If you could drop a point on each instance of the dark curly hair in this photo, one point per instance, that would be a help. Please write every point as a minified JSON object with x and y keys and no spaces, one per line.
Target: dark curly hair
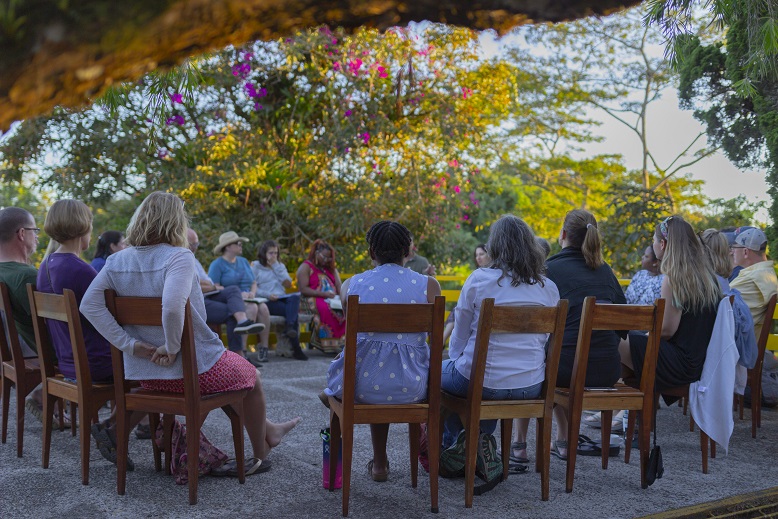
{"x":389,"y":242}
{"x":319,"y":245}
{"x":262,"y":251}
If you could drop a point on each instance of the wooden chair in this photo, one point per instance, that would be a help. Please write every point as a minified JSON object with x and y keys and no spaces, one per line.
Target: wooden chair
{"x":147,"y":311}
{"x":510,"y":319}
{"x":17,"y":371}
{"x":577,"y":398}
{"x":89,"y":397}
{"x":755,"y":373}
{"x":389,"y":318}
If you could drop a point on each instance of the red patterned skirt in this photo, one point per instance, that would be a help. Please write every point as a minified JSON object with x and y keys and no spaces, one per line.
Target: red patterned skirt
{"x":230,"y":373}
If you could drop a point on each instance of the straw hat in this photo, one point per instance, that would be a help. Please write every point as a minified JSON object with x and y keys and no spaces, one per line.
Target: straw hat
{"x":228,"y":238}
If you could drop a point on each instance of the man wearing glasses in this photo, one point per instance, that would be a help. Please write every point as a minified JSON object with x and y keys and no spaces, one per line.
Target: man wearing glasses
{"x":18,"y":240}
{"x":756,"y":281}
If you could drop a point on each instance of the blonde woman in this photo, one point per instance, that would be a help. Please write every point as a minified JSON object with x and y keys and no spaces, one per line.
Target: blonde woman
{"x":692,"y":294}
{"x":159,"y":264}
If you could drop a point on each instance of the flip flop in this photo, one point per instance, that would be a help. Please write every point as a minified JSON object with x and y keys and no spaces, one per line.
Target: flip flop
{"x":589,"y":447}
{"x":516,"y":446}
{"x":517,"y":468}
{"x":252,"y":465}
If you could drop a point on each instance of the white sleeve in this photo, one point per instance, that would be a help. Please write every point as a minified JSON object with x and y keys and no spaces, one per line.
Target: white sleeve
{"x":464,"y":313}
{"x":179,"y":277}
{"x":280,"y":271}
{"x":94,"y":309}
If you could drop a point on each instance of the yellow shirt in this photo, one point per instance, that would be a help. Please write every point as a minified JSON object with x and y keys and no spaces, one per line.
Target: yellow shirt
{"x":757,"y":284}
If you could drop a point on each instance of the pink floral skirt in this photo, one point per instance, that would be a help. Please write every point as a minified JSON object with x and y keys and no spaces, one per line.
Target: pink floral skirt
{"x":230,"y":373}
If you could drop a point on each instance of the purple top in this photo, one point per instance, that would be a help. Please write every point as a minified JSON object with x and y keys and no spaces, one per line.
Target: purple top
{"x":69,"y":271}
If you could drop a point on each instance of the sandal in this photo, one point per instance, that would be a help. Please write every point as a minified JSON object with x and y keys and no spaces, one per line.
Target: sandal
{"x":252,"y":466}
{"x":555,"y":446}
{"x":515,"y":458}
{"x":105,"y":438}
{"x":517,"y":468}
{"x":143,"y":431}
{"x":589,"y":447}
{"x":378,"y":476}
{"x":36,"y":410}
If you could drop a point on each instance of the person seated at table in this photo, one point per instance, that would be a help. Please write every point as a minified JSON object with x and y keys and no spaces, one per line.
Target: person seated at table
{"x":232,"y":269}
{"x":579,"y":271}
{"x":318,"y":278}
{"x":272,"y":280}
{"x":159,"y":264}
{"x":515,"y":364}
{"x":108,"y":243}
{"x":397,"y":364}
{"x":692,"y":294}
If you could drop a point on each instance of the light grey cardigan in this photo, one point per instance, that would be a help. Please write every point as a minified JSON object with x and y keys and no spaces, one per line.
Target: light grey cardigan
{"x":153,"y":271}
{"x":270,"y":279}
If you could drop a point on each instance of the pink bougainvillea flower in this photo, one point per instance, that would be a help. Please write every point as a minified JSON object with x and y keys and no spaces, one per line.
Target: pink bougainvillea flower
{"x":382,"y":72}
{"x":177,"y":119}
{"x":354,"y":66}
{"x":241,"y":70}
{"x":457,"y":226}
{"x":257,"y":107}
{"x":453,"y":163}
{"x":457,"y":189}
{"x":365,"y":137}
{"x":177,"y":98}
{"x":347,"y":113}
{"x":466,"y":92}
{"x":336,"y":66}
{"x":262,"y":92}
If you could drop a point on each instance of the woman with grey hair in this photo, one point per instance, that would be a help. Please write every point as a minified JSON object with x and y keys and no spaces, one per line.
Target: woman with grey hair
{"x":515,"y":366}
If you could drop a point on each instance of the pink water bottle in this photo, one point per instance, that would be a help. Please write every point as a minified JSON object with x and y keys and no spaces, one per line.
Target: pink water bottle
{"x":325,"y":466}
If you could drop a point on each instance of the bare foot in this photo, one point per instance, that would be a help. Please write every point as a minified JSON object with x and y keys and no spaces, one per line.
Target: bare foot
{"x":275,"y":432}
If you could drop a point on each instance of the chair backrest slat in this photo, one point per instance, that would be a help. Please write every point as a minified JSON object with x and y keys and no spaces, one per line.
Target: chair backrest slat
{"x":764,"y":334}
{"x":516,"y":319}
{"x":389,"y":318}
{"x":147,"y":311}
{"x":10,"y":349}
{"x":62,"y":308}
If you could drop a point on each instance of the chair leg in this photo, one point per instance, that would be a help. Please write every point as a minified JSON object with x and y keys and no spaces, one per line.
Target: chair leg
{"x":685,"y":405}
{"x":48,"y":419}
{"x":153,"y":426}
{"x":704,"y":449}
{"x":712,"y":449}
{"x":606,"y":419}
{"x":347,"y":435}
{"x":545,"y":467}
{"x":506,"y":426}
{"x":193,"y":454}
{"x":20,"y":398}
{"x":236,"y":419}
{"x":646,"y":424}
{"x":574,"y":425}
{"x":168,"y":422}
{"x":85,"y":437}
{"x":756,"y":404}
{"x":433,"y":433}
{"x":73,"y":412}
{"x":629,"y":435}
{"x":6,"y":405}
{"x":414,"y":435}
{"x":472,"y":430}
{"x":539,"y":445}
{"x":335,"y":442}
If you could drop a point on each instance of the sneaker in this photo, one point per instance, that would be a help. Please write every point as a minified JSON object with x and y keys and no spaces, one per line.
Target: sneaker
{"x":452,"y":459}
{"x":249,"y":327}
{"x":253,"y":358}
{"x":105,"y":438}
{"x":291,"y":333}
{"x":488,"y":465}
{"x":299,"y":354}
{"x":262,"y":355}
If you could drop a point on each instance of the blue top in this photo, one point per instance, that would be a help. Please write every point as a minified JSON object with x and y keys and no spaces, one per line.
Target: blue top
{"x":226,"y":274}
{"x":98,"y":264}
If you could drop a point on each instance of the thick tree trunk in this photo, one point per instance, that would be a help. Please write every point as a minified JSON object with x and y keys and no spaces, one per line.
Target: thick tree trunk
{"x":52,"y":55}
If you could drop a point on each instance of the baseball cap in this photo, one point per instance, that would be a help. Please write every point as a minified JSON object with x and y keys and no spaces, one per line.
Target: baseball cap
{"x":752,"y":238}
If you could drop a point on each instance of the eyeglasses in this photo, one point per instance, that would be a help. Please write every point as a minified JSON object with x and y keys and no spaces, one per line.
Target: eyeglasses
{"x":35,"y":230}
{"x":238,"y":243}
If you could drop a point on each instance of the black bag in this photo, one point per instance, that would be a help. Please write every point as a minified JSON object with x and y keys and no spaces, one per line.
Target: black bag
{"x":655,"y":469}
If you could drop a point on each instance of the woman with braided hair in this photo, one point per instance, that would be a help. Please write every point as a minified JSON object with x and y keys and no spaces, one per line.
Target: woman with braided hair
{"x":395,"y":366}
